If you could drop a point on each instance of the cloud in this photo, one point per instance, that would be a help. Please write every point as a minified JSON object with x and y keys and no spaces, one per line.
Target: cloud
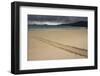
{"x":42,"y":23}
{"x":53,"y":20}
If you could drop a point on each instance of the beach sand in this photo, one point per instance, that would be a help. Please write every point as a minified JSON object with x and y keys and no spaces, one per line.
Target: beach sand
{"x":53,"y":44}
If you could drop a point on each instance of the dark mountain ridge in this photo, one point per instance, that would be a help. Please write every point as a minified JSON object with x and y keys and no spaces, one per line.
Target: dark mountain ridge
{"x":77,"y":24}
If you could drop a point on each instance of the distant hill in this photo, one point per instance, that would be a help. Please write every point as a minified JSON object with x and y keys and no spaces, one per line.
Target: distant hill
{"x":81,"y":24}
{"x":77,"y":24}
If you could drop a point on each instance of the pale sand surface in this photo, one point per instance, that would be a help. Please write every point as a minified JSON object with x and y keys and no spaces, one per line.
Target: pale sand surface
{"x":44,"y":44}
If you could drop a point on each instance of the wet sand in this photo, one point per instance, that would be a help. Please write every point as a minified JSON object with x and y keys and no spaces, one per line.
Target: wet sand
{"x":52,"y":44}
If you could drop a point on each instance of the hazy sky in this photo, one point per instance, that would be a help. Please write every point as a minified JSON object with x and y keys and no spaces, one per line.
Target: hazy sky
{"x":53,"y":20}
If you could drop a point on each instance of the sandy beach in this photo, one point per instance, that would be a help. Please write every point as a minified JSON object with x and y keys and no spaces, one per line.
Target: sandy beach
{"x":52,"y":44}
